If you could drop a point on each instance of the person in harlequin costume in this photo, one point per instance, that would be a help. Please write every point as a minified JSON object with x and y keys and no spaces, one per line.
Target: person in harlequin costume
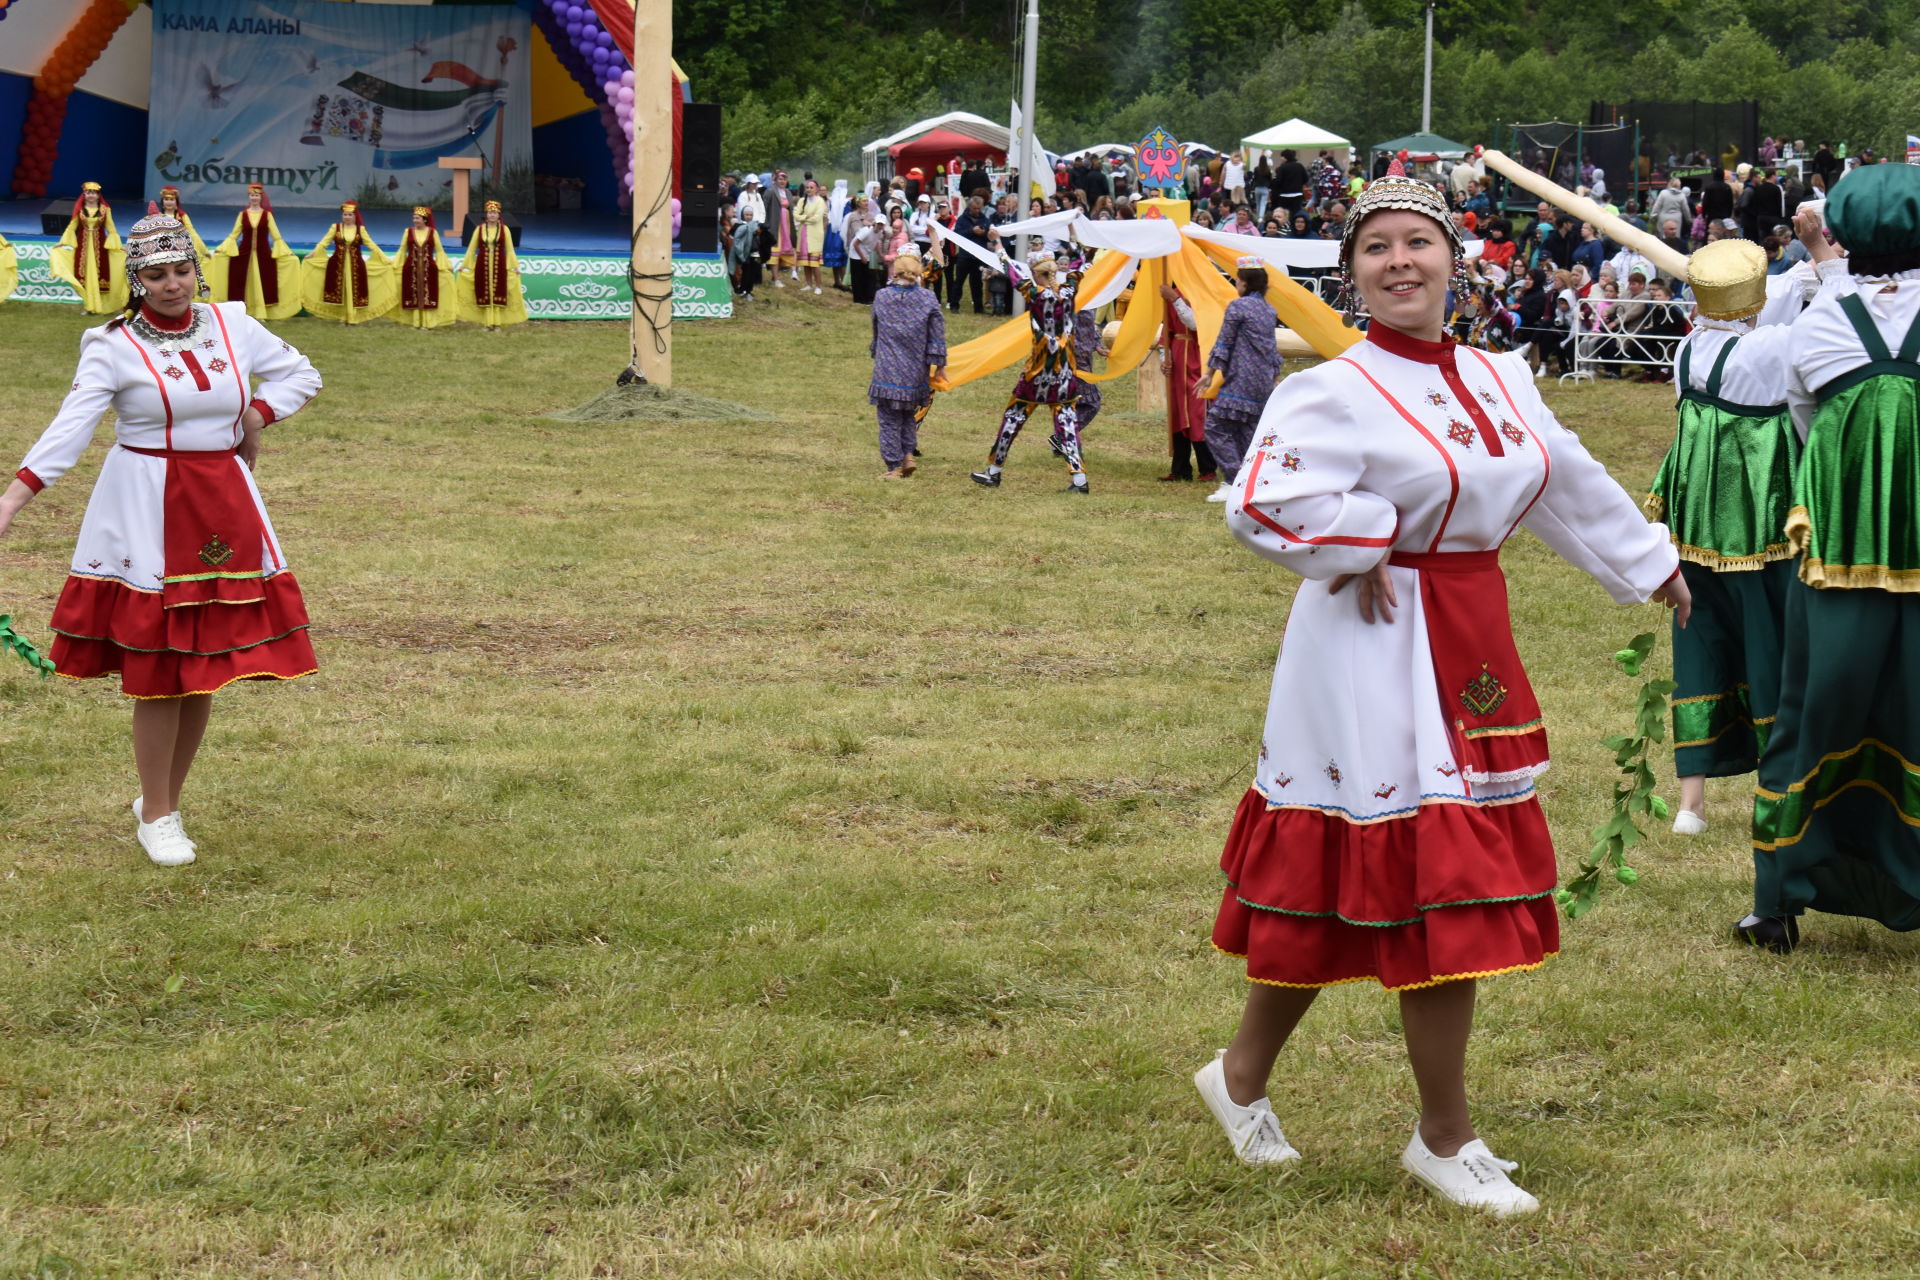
{"x":89,"y":256}
{"x":909,"y":348}
{"x":9,"y":270}
{"x":256,"y":266}
{"x":489,"y":276}
{"x":1723,"y":490}
{"x":169,"y":204}
{"x":1086,"y":345}
{"x":1186,"y":411}
{"x":426,"y":295}
{"x":1049,"y":380}
{"x":1245,"y":363}
{"x":177,"y":582}
{"x":346,"y":277}
{"x":1836,"y":822}
{"x":1392,"y":833}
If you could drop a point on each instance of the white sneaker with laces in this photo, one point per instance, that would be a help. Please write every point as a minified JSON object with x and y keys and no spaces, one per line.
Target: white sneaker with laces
{"x":1474,"y":1177}
{"x":1253,"y":1130}
{"x":139,"y":814}
{"x":164,"y":842}
{"x":1688,"y":823}
{"x":1221,"y":494}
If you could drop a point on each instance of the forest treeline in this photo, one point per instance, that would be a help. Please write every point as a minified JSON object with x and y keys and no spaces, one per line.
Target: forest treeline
{"x":806,"y":84}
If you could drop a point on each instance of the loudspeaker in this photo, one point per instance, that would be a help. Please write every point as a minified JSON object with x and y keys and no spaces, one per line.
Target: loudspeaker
{"x":55,"y":217}
{"x":699,"y":172}
{"x":475,"y":218}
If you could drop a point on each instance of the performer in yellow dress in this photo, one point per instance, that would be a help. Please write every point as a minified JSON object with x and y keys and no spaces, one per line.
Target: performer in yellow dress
{"x":490,"y":290}
{"x":9,"y":270}
{"x":426,"y":299}
{"x":169,"y":205}
{"x":260,"y":268}
{"x":89,"y":256}
{"x":347,"y":277}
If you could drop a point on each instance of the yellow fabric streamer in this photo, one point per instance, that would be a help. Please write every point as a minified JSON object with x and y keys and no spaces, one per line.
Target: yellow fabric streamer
{"x":1298,"y":308}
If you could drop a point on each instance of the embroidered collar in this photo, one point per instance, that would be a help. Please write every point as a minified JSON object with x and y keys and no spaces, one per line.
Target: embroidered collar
{"x":162,"y":323}
{"x":146,"y":326}
{"x":1407,"y":347}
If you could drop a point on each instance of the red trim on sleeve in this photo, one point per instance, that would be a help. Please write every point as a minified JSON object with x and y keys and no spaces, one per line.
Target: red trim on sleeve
{"x":1260,"y":517}
{"x":265,"y":410}
{"x":36,"y":484}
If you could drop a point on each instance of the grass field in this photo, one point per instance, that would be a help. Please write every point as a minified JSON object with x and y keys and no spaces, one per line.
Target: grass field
{"x":699,"y":858}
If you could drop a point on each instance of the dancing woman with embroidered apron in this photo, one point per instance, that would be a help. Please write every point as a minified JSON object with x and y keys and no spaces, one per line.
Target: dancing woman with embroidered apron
{"x":177,"y":581}
{"x":1392,"y":833}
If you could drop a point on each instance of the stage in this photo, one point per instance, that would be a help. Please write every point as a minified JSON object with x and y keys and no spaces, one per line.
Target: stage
{"x":573,"y":265}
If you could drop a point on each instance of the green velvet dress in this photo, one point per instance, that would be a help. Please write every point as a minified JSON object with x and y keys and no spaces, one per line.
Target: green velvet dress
{"x":1724,"y":489}
{"x":1836,"y":821}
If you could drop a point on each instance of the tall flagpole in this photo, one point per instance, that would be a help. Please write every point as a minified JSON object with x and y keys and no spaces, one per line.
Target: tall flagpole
{"x":1426,"y":93}
{"x":1029,"y":153}
{"x":651,"y":269}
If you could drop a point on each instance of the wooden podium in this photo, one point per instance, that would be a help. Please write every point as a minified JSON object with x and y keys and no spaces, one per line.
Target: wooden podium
{"x":461,"y":166}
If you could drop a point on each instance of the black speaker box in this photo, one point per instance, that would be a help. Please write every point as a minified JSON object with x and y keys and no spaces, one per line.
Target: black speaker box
{"x":477,"y":216}
{"x":55,"y":217}
{"x":699,"y":151}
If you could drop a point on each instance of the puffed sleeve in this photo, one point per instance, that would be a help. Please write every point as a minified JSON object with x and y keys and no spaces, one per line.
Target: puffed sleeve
{"x":936,"y":333}
{"x":1298,"y":499}
{"x":1584,"y":514}
{"x":71,"y":430}
{"x":1230,"y":325}
{"x":286,"y":380}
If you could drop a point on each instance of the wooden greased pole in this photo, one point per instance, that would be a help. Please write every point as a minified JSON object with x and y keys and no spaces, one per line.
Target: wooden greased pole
{"x":651,"y":269}
{"x":1616,"y":229}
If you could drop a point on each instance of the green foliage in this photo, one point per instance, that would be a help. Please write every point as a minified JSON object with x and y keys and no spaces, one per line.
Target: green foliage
{"x":1620,"y":832}
{"x":806,"y":87}
{"x":23,"y":648}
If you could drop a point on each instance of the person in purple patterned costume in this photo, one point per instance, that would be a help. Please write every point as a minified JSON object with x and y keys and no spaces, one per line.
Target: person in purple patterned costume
{"x":1245,"y":357}
{"x":1086,"y":344}
{"x":909,"y":338}
{"x":1049,"y":379}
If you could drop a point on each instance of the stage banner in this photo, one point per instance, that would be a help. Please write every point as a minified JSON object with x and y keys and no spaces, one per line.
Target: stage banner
{"x":322,"y":102}
{"x":37,"y":281}
{"x":594,"y":287}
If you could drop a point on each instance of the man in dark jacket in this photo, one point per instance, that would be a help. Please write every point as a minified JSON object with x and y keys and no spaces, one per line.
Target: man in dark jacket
{"x":973,"y":225}
{"x":1716,"y":197}
{"x":1290,"y":184}
{"x":974,"y":181}
{"x":1766,"y":205}
{"x":1827,"y":165}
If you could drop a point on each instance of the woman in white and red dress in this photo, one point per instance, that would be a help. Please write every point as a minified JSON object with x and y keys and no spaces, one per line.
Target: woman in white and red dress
{"x":1393,"y":833}
{"x":177,"y":581}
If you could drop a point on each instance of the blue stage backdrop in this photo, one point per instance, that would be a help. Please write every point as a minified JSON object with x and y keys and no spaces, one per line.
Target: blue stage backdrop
{"x":323,"y":102}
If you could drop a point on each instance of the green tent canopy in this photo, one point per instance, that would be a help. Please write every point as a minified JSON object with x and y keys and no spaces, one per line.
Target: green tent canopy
{"x":1423,"y":146}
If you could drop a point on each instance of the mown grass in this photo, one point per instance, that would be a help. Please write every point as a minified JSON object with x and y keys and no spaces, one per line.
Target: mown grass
{"x":699,"y":858}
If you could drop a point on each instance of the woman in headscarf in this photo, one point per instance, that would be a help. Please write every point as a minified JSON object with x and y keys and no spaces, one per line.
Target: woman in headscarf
{"x":347,"y":277}
{"x":427,"y":297}
{"x":89,"y":256}
{"x":489,"y":277}
{"x":260,"y":269}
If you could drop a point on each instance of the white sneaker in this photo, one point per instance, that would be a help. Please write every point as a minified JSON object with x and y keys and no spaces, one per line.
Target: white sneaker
{"x":165,"y":843}
{"x":1475,"y":1177}
{"x":778,"y":283}
{"x":816,"y":289}
{"x":1221,"y":494}
{"x":139,"y":814}
{"x":1688,"y":823}
{"x":1253,"y":1130}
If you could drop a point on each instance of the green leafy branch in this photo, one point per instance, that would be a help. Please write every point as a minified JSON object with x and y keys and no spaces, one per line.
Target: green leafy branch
{"x":1632,"y":795}
{"x":22,"y":647}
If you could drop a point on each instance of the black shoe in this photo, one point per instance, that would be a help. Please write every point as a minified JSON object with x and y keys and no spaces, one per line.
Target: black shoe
{"x":1778,"y":934}
{"x":986,"y":478}
{"x":1080,"y":489}
{"x":916,"y":453}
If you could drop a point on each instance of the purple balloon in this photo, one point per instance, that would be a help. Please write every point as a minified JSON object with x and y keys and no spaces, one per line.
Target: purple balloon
{"x":575,"y":12}
{"x":605,"y":38}
{"x":626,"y":77}
{"x":626,"y":96}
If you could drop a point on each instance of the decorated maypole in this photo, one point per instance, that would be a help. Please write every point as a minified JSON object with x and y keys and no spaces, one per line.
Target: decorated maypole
{"x":651,"y":268}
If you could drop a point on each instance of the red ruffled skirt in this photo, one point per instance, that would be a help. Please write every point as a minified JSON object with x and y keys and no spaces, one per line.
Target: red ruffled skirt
{"x":1453,"y":891}
{"x":223,"y":607}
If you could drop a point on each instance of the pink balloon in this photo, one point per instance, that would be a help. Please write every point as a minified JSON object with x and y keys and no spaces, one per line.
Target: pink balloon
{"x":626,"y":78}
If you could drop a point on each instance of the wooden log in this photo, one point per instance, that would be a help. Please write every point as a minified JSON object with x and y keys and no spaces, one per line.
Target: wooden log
{"x":651,"y":268}
{"x":1614,"y":228}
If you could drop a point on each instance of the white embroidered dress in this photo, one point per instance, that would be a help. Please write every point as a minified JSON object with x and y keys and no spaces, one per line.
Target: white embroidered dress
{"x":1378,"y":839}
{"x":125,"y":608}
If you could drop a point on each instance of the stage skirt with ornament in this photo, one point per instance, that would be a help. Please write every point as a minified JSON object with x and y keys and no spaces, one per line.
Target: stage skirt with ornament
{"x":1412,"y":854}
{"x":178,"y":582}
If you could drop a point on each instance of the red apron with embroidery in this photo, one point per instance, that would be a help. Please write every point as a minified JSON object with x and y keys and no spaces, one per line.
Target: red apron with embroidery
{"x":1491,"y":713}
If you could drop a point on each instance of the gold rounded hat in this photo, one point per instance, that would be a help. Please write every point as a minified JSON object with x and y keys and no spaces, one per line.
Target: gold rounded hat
{"x":1729,"y":279}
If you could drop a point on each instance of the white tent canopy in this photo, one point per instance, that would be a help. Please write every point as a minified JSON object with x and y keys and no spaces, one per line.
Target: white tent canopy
{"x":1098,"y":149}
{"x":1299,"y":135}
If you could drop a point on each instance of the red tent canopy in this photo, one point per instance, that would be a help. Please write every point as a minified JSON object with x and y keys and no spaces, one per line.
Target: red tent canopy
{"x":930,"y":151}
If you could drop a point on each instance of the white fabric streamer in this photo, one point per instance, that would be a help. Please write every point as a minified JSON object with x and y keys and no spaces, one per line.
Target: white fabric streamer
{"x":1287,"y":255}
